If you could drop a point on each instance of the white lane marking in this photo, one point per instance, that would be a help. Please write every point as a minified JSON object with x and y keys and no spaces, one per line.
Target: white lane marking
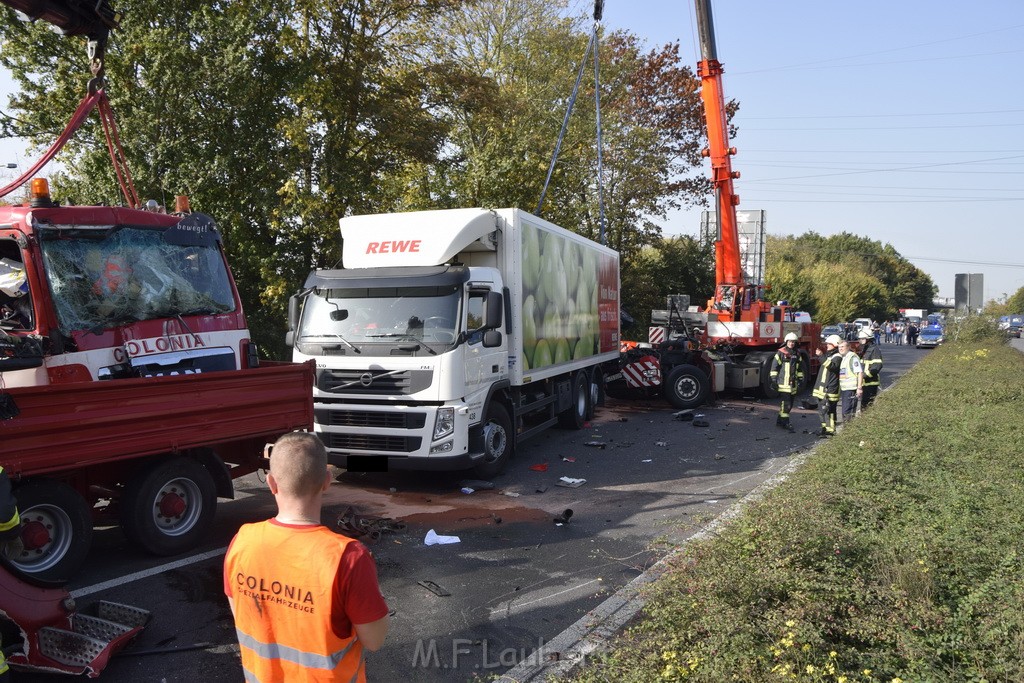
{"x":519,"y":605}
{"x":146,"y":573}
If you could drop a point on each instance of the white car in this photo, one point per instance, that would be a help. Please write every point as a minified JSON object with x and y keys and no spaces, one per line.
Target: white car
{"x":863,"y":323}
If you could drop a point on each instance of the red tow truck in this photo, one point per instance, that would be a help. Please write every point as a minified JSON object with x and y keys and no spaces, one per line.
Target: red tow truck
{"x":130,"y":390}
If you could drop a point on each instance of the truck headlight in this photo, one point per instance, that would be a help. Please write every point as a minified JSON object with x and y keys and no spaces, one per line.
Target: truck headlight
{"x":444,"y":423}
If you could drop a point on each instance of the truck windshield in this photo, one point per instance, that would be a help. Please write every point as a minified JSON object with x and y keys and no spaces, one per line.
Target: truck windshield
{"x":374,"y":320}
{"x":101,"y":278}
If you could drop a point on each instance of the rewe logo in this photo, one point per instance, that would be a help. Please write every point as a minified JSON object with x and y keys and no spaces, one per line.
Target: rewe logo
{"x":393,"y":247}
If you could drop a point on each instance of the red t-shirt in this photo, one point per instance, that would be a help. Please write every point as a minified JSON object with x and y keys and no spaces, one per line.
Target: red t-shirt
{"x":357,"y":596}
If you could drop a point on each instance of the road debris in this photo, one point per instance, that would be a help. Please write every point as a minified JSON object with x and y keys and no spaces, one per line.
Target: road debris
{"x":467,"y":490}
{"x":564,"y":517}
{"x":568,"y":458}
{"x":570,"y":482}
{"x":434,"y":588}
{"x":539,"y":467}
{"x":541,"y":488}
{"x":701,"y":423}
{"x":596,"y":444}
{"x":648,"y":460}
{"x":432,"y":538}
{"x":510,"y":494}
{"x":477,"y":484}
{"x":662,"y":444}
{"x":684,"y":415}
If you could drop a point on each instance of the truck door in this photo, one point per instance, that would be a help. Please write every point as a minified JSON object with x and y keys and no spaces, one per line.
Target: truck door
{"x":484,"y":366}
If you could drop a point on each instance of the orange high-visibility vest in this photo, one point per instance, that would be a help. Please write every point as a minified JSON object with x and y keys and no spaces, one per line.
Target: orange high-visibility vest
{"x":282,"y":589}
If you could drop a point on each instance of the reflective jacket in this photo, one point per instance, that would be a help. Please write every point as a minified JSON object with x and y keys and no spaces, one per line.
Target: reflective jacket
{"x":827,"y":386}
{"x":849,"y":372}
{"x":787,"y":370}
{"x":283,"y":605}
{"x":872,"y":361}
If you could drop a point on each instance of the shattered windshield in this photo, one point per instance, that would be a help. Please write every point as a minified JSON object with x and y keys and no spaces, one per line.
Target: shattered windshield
{"x":105,"y":277}
{"x":372,"y":319}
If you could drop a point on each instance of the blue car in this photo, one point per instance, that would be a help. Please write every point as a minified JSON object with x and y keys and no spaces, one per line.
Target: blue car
{"x":929,"y":337}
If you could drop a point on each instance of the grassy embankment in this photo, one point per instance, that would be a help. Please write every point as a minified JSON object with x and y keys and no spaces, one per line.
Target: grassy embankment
{"x":895,"y":553}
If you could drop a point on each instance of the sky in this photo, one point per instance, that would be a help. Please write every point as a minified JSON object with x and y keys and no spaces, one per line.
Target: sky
{"x":901,"y":121}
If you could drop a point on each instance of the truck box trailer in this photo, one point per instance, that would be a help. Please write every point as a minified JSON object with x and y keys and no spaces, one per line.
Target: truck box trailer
{"x":451,"y":335}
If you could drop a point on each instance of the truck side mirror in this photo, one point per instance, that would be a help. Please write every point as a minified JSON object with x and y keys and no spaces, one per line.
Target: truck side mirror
{"x":494,"y":310}
{"x":294,"y":306}
{"x":289,"y":338}
{"x":492,"y":339}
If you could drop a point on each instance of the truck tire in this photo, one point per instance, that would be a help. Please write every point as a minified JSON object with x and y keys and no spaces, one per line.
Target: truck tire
{"x":575,"y":415}
{"x":768,"y":388}
{"x":596,"y":392}
{"x":686,"y":386}
{"x":498,"y":442}
{"x":168,"y":507}
{"x":56,"y":530}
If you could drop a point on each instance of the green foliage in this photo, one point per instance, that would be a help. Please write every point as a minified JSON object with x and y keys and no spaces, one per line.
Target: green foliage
{"x":894,"y":553}
{"x":277,"y":118}
{"x":841,"y":277}
{"x":1015,"y":303}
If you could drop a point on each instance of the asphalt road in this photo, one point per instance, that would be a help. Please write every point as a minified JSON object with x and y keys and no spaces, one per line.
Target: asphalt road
{"x":515,"y":580}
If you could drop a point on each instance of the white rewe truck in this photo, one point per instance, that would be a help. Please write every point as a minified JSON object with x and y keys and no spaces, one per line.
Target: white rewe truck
{"x":450,"y":336}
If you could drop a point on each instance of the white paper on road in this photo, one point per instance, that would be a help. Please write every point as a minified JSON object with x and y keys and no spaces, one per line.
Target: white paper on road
{"x":433,"y":539}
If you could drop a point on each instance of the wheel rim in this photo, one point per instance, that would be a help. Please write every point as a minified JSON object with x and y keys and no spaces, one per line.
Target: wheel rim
{"x":686,"y":387}
{"x":177,"y":506}
{"x":46,"y":533}
{"x":581,"y":402}
{"x":494,"y":441}
{"x":595,"y":392}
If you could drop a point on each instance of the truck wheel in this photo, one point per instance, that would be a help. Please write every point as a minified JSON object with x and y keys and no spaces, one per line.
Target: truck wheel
{"x":686,"y":387}
{"x":596,"y":392}
{"x":56,"y":530}
{"x":498,"y":441}
{"x":575,"y":415}
{"x":768,"y":390}
{"x":168,"y":507}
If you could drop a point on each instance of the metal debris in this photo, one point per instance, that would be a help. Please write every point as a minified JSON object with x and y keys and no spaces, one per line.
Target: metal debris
{"x":434,"y":588}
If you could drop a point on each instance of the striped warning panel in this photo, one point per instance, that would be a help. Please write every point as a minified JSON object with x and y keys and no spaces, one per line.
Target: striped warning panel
{"x":656,"y":335}
{"x":644,"y":372}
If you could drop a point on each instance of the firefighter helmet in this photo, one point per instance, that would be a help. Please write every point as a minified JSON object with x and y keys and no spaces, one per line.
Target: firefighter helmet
{"x":792,"y":337}
{"x":864,"y":334}
{"x":833,"y":339}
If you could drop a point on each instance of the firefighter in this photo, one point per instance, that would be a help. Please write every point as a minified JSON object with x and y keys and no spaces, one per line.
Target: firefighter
{"x":787,"y":374}
{"x":10,"y":540}
{"x":826,"y":389}
{"x":871,"y":359}
{"x":851,"y":378}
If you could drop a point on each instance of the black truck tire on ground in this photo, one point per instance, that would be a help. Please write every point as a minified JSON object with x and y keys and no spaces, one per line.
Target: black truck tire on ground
{"x":687,"y":386}
{"x":168,"y":507}
{"x":596,"y":379}
{"x":58,"y":516}
{"x":576,"y":414}
{"x":498,"y":442}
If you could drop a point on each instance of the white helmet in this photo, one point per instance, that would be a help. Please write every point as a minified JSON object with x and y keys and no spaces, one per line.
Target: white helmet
{"x":833,"y":339}
{"x":792,"y":337}
{"x":864,"y":334}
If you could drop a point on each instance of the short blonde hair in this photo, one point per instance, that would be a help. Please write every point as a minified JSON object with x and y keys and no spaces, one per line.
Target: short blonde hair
{"x":298,"y":462}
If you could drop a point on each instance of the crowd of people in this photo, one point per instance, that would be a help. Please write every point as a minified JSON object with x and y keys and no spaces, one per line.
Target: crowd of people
{"x":845,"y":377}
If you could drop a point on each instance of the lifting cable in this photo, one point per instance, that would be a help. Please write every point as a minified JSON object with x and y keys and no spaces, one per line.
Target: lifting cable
{"x":592,"y":45}
{"x":96,"y":97}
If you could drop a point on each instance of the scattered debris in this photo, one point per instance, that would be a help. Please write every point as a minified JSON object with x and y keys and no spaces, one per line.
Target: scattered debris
{"x":570,"y":482}
{"x":467,"y":490}
{"x":684,"y":415}
{"x":434,"y":588}
{"x":719,"y":456}
{"x":496,"y":518}
{"x":596,"y":444}
{"x":477,"y":484}
{"x":393,"y":490}
{"x":541,"y":488}
{"x":648,"y":460}
{"x":762,"y":438}
{"x":564,"y":517}
{"x":432,"y":538}
{"x":510,"y":494}
{"x":663,"y":444}
{"x":539,"y":467}
{"x":809,"y":403}
{"x":622,"y":419}
{"x":364,"y":527}
{"x":568,"y":458}
{"x":701,"y":423}
{"x":860,"y":445}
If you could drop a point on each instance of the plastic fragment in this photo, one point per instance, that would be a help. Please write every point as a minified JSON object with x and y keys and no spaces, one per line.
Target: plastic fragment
{"x":510,"y":494}
{"x":596,"y":444}
{"x":433,"y":538}
{"x":570,"y":482}
{"x":568,"y":458}
{"x":477,"y":484}
{"x":467,"y":490}
{"x":661,"y":443}
{"x":539,"y":467}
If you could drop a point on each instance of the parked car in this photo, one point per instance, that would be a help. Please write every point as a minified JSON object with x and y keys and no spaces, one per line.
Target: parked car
{"x":833,"y":329}
{"x":929,"y":337}
{"x":862,"y":322}
{"x":1014,"y":325}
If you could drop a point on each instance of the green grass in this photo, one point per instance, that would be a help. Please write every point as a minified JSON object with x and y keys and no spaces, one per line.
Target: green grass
{"x":893,"y":554}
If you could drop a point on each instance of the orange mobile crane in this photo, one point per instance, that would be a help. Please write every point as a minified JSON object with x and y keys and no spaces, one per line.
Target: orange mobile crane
{"x":731,"y":343}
